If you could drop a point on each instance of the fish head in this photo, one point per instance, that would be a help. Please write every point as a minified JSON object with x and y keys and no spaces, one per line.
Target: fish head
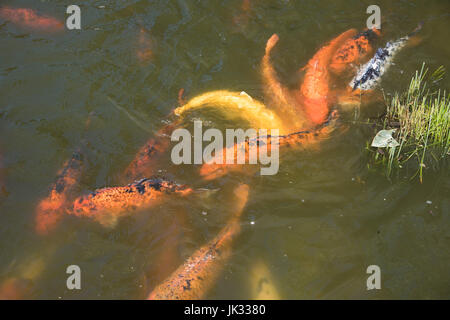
{"x":353,"y":51}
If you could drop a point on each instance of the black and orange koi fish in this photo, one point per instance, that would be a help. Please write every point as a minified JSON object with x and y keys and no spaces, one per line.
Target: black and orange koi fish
{"x":217,"y":166}
{"x":107,"y":205}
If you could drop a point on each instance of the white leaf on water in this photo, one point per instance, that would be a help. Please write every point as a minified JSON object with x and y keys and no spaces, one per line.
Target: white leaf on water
{"x":384,"y":139}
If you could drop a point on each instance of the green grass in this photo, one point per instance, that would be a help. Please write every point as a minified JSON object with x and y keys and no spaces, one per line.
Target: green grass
{"x":421,"y":116}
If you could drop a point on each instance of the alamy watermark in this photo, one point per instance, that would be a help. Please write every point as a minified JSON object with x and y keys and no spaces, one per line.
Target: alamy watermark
{"x":374,"y":20}
{"x":73,"y":22}
{"x":240,"y":145}
{"x":374,"y":280}
{"x":74,"y":280}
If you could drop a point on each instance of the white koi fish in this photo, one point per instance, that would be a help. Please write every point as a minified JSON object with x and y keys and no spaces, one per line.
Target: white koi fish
{"x":369,"y":74}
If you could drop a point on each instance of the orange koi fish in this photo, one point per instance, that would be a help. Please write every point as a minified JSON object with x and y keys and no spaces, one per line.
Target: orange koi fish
{"x":107,"y":205}
{"x":30,"y":19}
{"x":26,"y":272}
{"x":315,"y":86}
{"x":233,"y":105}
{"x":194,"y":278}
{"x":50,"y":210}
{"x":217,"y":166}
{"x":354,"y":50}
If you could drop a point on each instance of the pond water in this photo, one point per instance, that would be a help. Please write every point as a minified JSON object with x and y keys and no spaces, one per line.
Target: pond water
{"x":316,"y":225}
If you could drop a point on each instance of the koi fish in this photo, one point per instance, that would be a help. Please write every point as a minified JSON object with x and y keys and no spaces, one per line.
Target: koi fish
{"x":169,"y":258}
{"x":50,"y":210}
{"x":315,"y":86}
{"x":26,"y":272}
{"x":369,"y":75}
{"x":217,"y":166}
{"x":194,"y":278}
{"x":262,"y":282}
{"x":354,"y":50}
{"x":233,"y":105}
{"x":143,"y":163}
{"x":312,"y":99}
{"x":144,"y":52}
{"x":107,"y":205}
{"x":29,"y":18}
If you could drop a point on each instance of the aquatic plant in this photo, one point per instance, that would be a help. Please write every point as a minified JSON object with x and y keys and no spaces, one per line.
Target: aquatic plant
{"x":421,"y":119}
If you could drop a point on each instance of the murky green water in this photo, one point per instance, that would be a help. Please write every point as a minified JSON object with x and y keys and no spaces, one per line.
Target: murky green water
{"x":318,"y":224}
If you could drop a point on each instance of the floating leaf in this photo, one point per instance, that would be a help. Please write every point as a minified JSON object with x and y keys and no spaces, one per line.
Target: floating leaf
{"x":384,"y":139}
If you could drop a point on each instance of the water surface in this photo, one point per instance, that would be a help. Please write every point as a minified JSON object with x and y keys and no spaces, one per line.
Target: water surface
{"x":318,"y":223}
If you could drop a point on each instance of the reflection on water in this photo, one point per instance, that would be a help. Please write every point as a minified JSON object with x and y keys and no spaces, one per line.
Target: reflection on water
{"x":317,"y":224}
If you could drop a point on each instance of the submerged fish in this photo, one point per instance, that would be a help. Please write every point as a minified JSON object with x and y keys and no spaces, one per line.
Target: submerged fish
{"x":143,"y":164}
{"x":354,"y":50}
{"x":14,"y":289}
{"x":262,"y":282}
{"x":233,"y":105}
{"x":369,"y":74}
{"x":29,"y":18}
{"x":107,"y":205}
{"x":218,"y":166}
{"x":50,"y":209}
{"x":194,"y":278}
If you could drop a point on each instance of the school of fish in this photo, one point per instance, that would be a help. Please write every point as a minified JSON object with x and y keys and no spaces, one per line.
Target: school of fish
{"x":304,"y":117}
